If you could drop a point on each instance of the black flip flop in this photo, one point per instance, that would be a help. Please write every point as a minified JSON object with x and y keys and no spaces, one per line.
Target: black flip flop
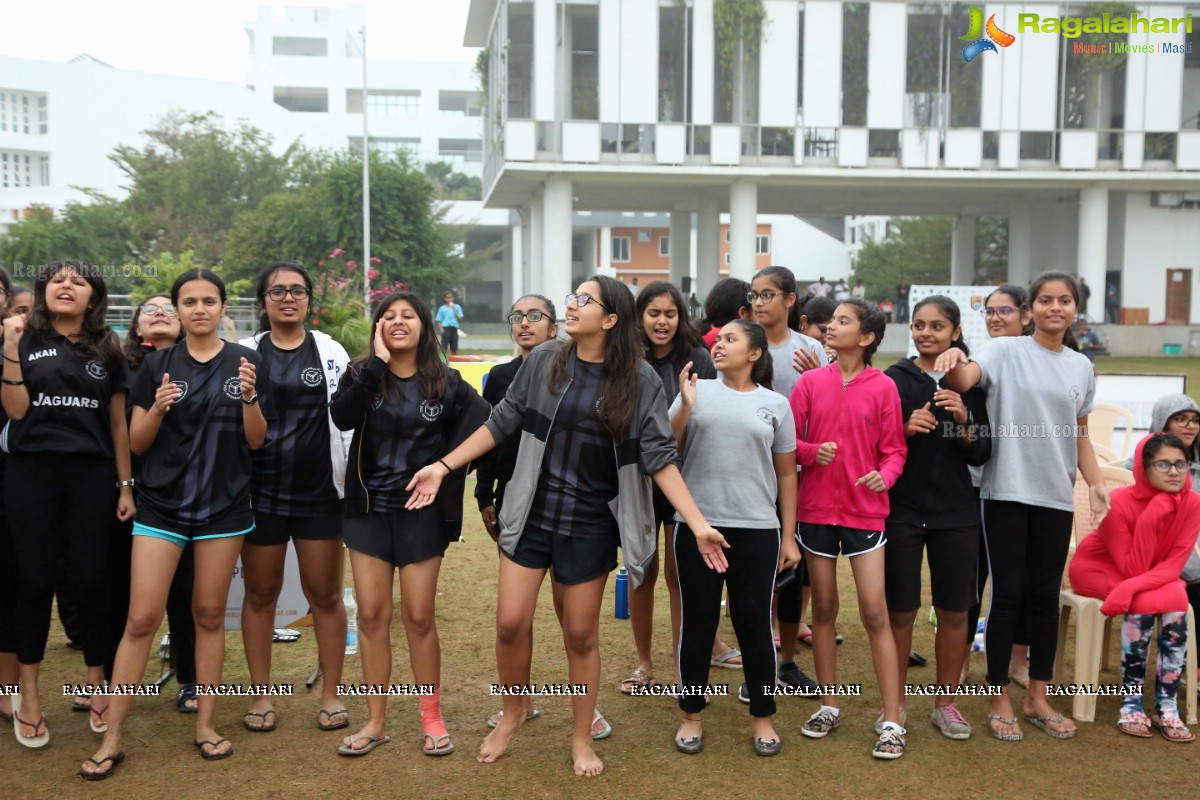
{"x":99,"y":776}
{"x":213,"y":756}
{"x":265,"y":727}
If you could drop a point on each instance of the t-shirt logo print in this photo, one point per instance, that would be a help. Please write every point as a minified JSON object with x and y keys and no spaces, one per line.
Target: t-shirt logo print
{"x":377,"y":402}
{"x":233,"y":388}
{"x":430,"y":411}
{"x":311,"y":377}
{"x":767,"y":416}
{"x":183,"y":389}
{"x":96,"y":370}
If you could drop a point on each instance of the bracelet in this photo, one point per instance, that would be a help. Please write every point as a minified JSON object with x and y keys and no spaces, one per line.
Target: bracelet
{"x":7,"y":382}
{"x":123,"y":484}
{"x":447,"y":466}
{"x":13,"y":360}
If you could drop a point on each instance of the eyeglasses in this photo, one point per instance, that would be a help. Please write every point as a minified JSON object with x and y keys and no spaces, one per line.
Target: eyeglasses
{"x":1001,"y":311}
{"x":533,"y":316}
{"x":765,"y":296}
{"x":150,"y":309}
{"x":1167,"y":466}
{"x":1188,"y":421}
{"x":582,"y":299}
{"x":278,"y":293}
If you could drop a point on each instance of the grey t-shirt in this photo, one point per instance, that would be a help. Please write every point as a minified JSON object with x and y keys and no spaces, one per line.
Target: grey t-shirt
{"x":781,"y":360}
{"x":1034,"y":397}
{"x":727,"y":462}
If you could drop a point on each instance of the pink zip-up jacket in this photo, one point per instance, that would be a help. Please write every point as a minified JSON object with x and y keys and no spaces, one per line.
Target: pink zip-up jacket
{"x":865,"y":421}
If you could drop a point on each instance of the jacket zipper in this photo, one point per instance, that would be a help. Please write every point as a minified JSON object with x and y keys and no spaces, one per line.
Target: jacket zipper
{"x":362,"y":435}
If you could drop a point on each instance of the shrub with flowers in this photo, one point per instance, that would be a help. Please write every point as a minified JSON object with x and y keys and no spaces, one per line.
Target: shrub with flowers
{"x":337,"y":304}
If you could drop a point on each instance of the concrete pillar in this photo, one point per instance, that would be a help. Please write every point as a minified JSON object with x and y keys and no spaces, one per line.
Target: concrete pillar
{"x":708,"y":245}
{"x":606,"y":265}
{"x":556,"y":239}
{"x":681,"y":246}
{"x":1091,"y":261}
{"x":1020,"y":244}
{"x":743,"y":228}
{"x":516,"y":286}
{"x":534,"y":277}
{"x":962,"y":252}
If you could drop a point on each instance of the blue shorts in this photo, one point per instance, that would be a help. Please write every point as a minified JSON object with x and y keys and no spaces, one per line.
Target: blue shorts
{"x":181,"y":539}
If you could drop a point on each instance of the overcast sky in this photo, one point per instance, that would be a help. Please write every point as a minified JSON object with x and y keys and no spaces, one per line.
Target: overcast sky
{"x":208,"y":39}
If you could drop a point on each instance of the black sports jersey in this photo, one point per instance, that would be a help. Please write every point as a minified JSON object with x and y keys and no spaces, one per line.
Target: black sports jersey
{"x":579,"y":470}
{"x":702,"y":367}
{"x":196,"y":474}
{"x":293,"y":476}
{"x":494,"y":470}
{"x":69,"y":399}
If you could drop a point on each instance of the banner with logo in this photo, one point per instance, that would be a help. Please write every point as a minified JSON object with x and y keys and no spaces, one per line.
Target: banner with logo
{"x":970,"y":300}
{"x":291,"y":605}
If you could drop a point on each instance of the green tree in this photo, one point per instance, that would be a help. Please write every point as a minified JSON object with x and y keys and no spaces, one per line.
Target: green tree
{"x":451,"y":185}
{"x":916,"y":250}
{"x":97,"y":233}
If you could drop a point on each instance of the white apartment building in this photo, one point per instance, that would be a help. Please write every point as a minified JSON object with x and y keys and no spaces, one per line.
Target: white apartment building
{"x":842,"y":109}
{"x":60,"y":121}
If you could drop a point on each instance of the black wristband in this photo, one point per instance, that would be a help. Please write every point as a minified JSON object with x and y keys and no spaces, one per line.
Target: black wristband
{"x":13,"y":360}
{"x":7,"y":382}
{"x":447,"y":466}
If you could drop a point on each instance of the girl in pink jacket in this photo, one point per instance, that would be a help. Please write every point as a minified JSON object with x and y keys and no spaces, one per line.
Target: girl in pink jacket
{"x":850,"y":443}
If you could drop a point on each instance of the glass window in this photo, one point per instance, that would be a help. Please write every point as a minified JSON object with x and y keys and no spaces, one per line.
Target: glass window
{"x":674,"y":63}
{"x":620,"y":249}
{"x":664,"y":245}
{"x":302,"y":99}
{"x":856,"y":41}
{"x":583,"y":78}
{"x":461,"y":149}
{"x":297,"y":46}
{"x":459,"y":104}
{"x":762,"y":245}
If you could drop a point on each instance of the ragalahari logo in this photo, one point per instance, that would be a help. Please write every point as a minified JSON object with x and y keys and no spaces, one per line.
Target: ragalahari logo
{"x":977,"y":43}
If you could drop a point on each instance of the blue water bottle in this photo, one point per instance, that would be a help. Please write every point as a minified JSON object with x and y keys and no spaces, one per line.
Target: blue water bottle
{"x":622,"y":593}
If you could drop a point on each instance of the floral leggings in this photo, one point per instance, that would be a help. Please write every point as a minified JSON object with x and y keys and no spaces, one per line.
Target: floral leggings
{"x":1172,"y":646}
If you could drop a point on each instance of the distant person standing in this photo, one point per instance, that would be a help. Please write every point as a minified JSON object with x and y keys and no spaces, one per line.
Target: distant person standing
{"x":1112,"y":303}
{"x":634,"y":289}
{"x":447,"y":319}
{"x":840,"y":290}
{"x":859,"y":290}
{"x":820,"y":288}
{"x":1085,"y":293}
{"x":902,"y":301}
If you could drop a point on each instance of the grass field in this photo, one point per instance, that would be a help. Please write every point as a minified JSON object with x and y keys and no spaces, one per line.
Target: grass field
{"x":298,"y":761}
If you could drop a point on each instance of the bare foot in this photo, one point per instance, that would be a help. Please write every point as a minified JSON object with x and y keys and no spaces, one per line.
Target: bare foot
{"x":496,"y":743}
{"x":587,"y":763}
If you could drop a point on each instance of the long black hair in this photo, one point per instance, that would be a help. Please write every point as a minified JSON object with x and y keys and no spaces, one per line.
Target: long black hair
{"x":1017,"y":293}
{"x":97,"y":340}
{"x":686,"y":339}
{"x":264,"y":282}
{"x":948,"y":309}
{"x":1035,"y":288}
{"x":725,"y":301}
{"x":762,"y":371}
{"x":870,"y":320}
{"x":432,"y":374}
{"x":135,"y":350}
{"x":622,"y":350}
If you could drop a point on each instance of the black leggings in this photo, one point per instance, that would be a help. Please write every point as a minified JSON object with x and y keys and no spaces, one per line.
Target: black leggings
{"x":1026,"y":551}
{"x":179,"y":617}
{"x":753,"y":556}
{"x":60,"y":509}
{"x":1021,"y":636}
{"x":9,"y":593}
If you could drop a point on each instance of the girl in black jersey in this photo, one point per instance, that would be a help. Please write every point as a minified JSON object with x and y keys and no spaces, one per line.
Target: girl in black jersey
{"x":155,"y":326}
{"x":64,"y":393}
{"x":9,"y":670}
{"x":670,"y":343}
{"x":196,"y":417}
{"x":593,"y":428}
{"x":297,"y":491}
{"x":405,"y":406}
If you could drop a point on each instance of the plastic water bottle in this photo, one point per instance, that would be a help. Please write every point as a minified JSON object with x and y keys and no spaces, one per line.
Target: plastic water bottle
{"x":622,"y":593}
{"x":351,"y":622}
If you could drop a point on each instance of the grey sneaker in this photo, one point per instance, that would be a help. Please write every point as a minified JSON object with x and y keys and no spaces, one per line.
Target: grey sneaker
{"x":821,"y":723}
{"x":890,"y":744}
{"x":879,"y":720}
{"x":949,"y":720}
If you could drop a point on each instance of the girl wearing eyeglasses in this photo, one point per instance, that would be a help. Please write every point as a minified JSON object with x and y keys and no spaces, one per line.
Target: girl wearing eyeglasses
{"x":405,"y":407}
{"x":592,"y":420}
{"x":1041,"y":390}
{"x":155,"y":326}
{"x":1132,"y":562}
{"x":297,"y":491}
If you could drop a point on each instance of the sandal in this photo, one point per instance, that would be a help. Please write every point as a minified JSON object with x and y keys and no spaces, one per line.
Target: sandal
{"x":638,"y":679}
{"x":99,"y":776}
{"x":438,"y":750}
{"x":1172,"y":727}
{"x":605,"y":727}
{"x":96,"y":721}
{"x":266,"y":725}
{"x":1043,"y":724}
{"x":494,"y":719}
{"x":185,"y":695}
{"x":725,"y":658}
{"x":216,"y":754}
{"x":349,"y":749}
{"x":1004,"y":736}
{"x":1134,"y":723}
{"x":37,"y":739}
{"x":325,"y":720}
{"x":82,"y":702}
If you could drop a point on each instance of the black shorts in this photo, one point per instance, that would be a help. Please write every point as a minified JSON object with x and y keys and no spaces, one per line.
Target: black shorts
{"x":398,"y":537}
{"x":953,"y":559}
{"x":575,"y":559}
{"x":450,"y":338}
{"x":664,"y":514}
{"x":276,"y":529}
{"x":829,"y":540}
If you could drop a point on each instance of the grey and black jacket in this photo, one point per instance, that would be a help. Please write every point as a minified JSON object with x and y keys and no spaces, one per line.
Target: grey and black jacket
{"x":529,"y":408}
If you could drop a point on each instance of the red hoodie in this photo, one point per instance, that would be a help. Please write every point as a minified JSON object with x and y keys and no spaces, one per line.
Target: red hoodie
{"x":865,"y":421}
{"x":1133,"y":560}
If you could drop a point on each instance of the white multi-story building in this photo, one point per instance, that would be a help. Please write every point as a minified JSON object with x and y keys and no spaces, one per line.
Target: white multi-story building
{"x":1087,"y":143}
{"x":59,"y":122}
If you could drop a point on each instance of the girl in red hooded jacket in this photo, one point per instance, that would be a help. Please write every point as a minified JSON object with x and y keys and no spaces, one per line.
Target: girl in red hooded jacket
{"x":850,"y":442}
{"x":1132,"y":562}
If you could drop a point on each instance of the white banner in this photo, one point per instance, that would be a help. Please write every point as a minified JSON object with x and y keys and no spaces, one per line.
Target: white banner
{"x":291,"y":605}
{"x":970,"y":300}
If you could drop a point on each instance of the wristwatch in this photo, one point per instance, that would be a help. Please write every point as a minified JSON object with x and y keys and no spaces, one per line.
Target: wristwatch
{"x":253,"y":399}
{"x":123,"y":484}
